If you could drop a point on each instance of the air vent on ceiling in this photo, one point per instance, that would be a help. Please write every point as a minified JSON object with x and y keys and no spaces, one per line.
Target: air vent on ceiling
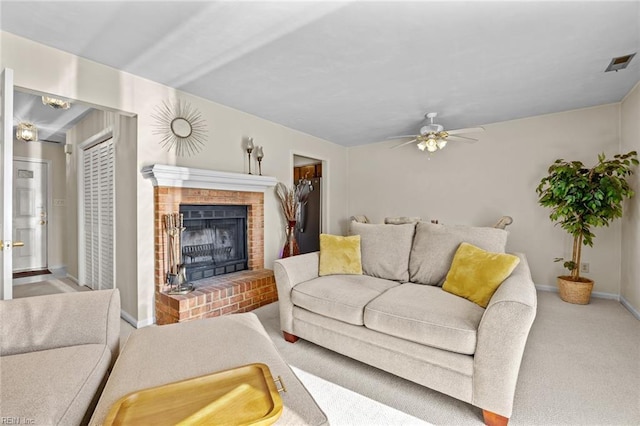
{"x":620,"y":62}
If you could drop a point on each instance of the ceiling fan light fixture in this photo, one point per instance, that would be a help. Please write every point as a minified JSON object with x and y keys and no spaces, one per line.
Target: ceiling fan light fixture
{"x":27,"y":132}
{"x":441,"y":143}
{"x":56,"y":103}
{"x":422,"y":145}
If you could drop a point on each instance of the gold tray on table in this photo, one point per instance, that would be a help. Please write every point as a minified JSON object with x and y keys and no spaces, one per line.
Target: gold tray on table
{"x":245,"y":395}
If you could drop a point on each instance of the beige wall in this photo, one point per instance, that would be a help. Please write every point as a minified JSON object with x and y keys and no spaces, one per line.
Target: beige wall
{"x":477,"y":183}
{"x":472,"y":184}
{"x":92,"y":124}
{"x":630,"y":264}
{"x":72,"y":77}
{"x":124,"y":136}
{"x":57,"y":237}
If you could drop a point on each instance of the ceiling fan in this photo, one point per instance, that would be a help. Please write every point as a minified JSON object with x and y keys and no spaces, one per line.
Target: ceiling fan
{"x":433,"y":137}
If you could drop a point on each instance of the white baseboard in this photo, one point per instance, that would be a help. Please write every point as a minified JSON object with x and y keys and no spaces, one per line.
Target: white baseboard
{"x":137,"y":324}
{"x":600,"y":295}
{"x":630,"y":307}
{"x":550,"y":288}
{"x":74,"y":279}
{"x":597,"y":294}
{"x":610,"y":296}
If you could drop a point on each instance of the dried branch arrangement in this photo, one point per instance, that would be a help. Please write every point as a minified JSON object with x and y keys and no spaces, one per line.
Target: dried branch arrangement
{"x":288,"y":200}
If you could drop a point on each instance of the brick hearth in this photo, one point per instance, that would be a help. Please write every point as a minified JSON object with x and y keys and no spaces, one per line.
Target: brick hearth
{"x":224,"y":294}
{"x":227,"y":294}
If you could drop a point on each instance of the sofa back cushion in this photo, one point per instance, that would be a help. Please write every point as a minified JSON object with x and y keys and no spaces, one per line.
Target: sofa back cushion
{"x":385,"y":249}
{"x":435,"y":245}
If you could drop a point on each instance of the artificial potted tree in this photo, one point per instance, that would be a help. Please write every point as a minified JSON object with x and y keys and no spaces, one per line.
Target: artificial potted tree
{"x":580,"y":199}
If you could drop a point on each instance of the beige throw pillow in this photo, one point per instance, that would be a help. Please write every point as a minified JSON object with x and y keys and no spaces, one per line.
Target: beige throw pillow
{"x":435,"y":245}
{"x":385,"y":249}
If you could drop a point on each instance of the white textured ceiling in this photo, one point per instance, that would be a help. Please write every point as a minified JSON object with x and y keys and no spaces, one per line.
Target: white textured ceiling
{"x":358,"y":72}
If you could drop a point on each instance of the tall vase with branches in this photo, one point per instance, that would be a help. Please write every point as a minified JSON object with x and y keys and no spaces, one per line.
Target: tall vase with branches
{"x":289,"y":202}
{"x":581,"y":198}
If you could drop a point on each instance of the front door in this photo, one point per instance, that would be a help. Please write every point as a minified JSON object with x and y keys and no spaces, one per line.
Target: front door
{"x":30,"y":215}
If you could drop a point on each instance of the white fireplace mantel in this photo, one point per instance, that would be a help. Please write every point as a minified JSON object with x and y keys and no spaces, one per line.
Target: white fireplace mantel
{"x":187,"y":177}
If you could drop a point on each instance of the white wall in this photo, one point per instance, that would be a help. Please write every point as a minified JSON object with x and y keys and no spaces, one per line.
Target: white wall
{"x":75,"y":78}
{"x":630,"y":265}
{"x":476,"y":184}
{"x":56,"y":243}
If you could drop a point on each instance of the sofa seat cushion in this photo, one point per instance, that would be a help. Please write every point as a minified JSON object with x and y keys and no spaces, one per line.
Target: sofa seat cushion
{"x":427,"y":315}
{"x":54,"y":386}
{"x":341,"y":297}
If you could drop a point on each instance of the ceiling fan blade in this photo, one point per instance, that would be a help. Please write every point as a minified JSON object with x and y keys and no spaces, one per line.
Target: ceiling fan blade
{"x":467,"y":130}
{"x":402,"y":136}
{"x":463,"y":138}
{"x":404,"y":143}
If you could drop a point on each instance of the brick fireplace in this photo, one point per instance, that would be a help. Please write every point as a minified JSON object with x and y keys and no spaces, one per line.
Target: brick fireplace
{"x":221,"y":294}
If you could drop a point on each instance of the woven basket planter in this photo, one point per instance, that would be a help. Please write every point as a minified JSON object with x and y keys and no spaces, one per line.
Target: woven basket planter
{"x":578,"y":292}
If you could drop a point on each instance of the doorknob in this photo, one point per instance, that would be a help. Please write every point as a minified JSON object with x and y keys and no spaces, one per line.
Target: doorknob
{"x":15,"y":244}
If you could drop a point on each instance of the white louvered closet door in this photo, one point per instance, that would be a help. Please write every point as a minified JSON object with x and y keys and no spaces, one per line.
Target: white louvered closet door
{"x":98,"y":215}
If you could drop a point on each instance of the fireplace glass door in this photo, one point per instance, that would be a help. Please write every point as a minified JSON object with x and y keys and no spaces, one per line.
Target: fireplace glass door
{"x":214,"y":241}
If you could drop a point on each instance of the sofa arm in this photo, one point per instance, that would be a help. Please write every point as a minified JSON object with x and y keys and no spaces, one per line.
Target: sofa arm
{"x":502,"y":336}
{"x":60,"y":320}
{"x":289,"y":272}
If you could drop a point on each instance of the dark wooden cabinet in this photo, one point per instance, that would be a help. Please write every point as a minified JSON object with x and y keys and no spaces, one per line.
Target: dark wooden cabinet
{"x":309,"y":172}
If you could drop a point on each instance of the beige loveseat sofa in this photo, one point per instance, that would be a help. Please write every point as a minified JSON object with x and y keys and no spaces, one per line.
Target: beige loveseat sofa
{"x":396,"y":316}
{"x":55,"y":355}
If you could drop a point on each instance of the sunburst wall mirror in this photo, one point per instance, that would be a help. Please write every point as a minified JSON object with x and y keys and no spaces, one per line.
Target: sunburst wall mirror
{"x":181,"y":127}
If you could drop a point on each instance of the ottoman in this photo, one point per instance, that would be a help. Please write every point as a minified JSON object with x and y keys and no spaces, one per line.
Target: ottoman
{"x":155,"y":356}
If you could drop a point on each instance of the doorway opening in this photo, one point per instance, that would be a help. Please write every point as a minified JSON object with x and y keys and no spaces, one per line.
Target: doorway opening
{"x":62,"y":223}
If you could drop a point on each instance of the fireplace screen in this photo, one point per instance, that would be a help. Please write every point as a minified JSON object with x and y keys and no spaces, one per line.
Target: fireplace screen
{"x":214,"y":241}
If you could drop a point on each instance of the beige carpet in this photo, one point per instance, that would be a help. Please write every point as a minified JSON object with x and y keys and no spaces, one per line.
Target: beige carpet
{"x":346,"y":408}
{"x":49,"y":286}
{"x":581,"y":367}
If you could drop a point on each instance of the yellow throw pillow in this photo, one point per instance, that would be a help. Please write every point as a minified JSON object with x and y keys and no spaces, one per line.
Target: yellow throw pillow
{"x":340,"y":255}
{"x":476,"y":274}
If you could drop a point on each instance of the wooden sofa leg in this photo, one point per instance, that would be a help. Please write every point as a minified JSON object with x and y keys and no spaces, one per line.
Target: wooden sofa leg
{"x":493,"y":419}
{"x":290,"y":337}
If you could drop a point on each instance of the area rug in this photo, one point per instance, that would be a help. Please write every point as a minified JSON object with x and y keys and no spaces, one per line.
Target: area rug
{"x":345,"y":407}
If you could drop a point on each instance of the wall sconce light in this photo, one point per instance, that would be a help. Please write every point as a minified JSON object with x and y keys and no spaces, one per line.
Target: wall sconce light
{"x":68,"y":148}
{"x":27,"y":132}
{"x":56,"y":103}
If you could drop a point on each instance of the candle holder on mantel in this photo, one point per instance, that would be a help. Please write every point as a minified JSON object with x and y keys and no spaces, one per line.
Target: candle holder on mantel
{"x":176,"y":276}
{"x":259,"y":157}
{"x":249,"y":149}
